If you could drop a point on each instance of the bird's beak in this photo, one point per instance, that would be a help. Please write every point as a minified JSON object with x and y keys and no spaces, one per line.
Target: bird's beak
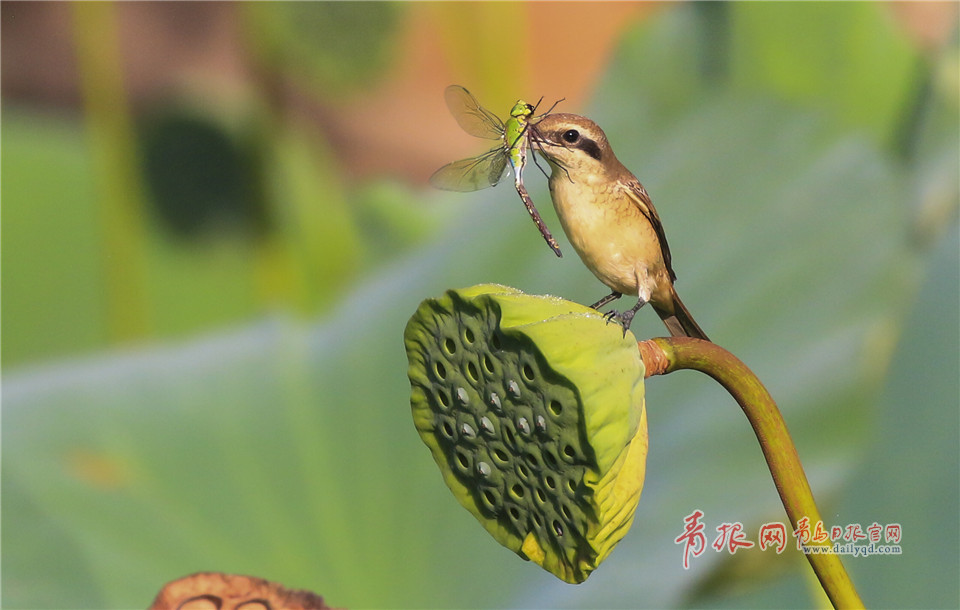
{"x":540,"y":141}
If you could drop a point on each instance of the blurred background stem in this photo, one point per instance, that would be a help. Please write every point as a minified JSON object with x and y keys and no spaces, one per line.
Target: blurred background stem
{"x":121,"y":198}
{"x":474,"y":35}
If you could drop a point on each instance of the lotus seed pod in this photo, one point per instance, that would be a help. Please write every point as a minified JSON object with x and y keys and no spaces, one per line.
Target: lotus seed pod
{"x":533,"y":409}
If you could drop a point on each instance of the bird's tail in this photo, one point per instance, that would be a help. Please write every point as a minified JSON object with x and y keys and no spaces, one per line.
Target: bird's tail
{"x":679,"y":321}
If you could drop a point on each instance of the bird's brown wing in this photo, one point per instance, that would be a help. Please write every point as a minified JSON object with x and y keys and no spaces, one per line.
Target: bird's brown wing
{"x":639,"y":195}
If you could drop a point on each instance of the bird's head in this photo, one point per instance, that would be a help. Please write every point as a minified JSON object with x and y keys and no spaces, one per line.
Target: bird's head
{"x":574,"y":143}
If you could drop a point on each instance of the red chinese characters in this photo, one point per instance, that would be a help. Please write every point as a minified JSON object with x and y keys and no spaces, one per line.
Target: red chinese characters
{"x":773,"y":534}
{"x":692,"y":537}
{"x":731,"y":536}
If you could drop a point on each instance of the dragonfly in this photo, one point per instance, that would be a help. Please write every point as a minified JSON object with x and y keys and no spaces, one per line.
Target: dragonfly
{"x":488,"y":169}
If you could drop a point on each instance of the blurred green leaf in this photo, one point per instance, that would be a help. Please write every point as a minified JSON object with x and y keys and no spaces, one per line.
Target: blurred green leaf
{"x":393,"y":218}
{"x":849,"y":59}
{"x":262,"y":452}
{"x":288,"y":451}
{"x":50,"y":248}
{"x":911,"y":474}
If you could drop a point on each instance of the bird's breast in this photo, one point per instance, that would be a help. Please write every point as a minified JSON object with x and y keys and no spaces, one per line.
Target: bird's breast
{"x":608,"y":231}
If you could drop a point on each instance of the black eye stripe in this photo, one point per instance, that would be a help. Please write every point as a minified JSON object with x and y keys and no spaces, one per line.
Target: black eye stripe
{"x":590,"y":147}
{"x":574,"y":139}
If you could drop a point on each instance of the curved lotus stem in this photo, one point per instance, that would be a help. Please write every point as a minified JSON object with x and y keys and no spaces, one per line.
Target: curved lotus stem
{"x":665,"y":355}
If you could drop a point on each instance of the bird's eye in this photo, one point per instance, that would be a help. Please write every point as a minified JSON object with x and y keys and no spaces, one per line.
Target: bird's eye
{"x":570,"y":136}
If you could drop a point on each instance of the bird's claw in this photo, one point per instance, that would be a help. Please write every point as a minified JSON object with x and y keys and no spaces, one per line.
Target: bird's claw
{"x":624,"y":318}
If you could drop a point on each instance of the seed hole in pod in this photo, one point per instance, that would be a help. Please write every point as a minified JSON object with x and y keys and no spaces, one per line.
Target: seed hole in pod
{"x":490,"y":498}
{"x":495,"y":341}
{"x":527,"y":372}
{"x":472,"y":371}
{"x":517,"y":491}
{"x":549,"y":459}
{"x":542,"y":497}
{"x":488,"y":364}
{"x":523,"y":471}
{"x":501,"y":456}
{"x":440,"y":370}
{"x":468,"y":336}
{"x":463,"y":459}
{"x":572,"y":486}
{"x":538,"y":520}
{"x":514,"y":513}
{"x":566,"y":512}
{"x":449,"y":346}
{"x":508,"y":433}
{"x":550,"y":481}
{"x":443,"y":398}
{"x":569,"y":451}
{"x":447,"y":429}
{"x":557,"y":527}
{"x":532,"y":460}
{"x":555,"y":407}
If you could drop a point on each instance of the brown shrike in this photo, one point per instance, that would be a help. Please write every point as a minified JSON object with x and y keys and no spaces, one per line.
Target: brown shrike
{"x":610,"y":220}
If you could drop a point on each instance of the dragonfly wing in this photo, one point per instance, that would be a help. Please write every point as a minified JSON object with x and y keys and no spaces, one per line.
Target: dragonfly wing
{"x":498,"y":169}
{"x":471,"y":174}
{"x":471,"y":116}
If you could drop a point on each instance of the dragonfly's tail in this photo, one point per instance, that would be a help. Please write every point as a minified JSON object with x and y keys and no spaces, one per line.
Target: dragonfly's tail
{"x":535,"y":215}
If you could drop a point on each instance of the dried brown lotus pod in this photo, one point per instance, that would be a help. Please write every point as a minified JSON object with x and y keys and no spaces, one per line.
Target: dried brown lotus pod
{"x":218,"y":591}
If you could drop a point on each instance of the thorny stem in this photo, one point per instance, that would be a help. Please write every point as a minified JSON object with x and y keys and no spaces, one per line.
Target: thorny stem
{"x":665,"y":355}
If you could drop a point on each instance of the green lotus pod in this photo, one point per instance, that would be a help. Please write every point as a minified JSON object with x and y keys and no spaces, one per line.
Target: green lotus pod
{"x":533,"y":408}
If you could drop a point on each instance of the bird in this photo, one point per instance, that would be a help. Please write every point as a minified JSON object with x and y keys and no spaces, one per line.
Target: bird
{"x":610,"y":221}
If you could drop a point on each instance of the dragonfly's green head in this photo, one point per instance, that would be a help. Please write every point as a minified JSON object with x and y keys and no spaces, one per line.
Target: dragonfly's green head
{"x":521,"y":110}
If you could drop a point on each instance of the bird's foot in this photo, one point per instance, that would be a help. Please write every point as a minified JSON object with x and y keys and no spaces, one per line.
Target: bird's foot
{"x":624,"y":318}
